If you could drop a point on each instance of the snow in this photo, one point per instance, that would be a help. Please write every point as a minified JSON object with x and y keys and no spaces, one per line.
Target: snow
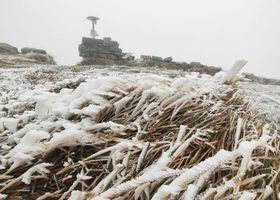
{"x":268,"y":192}
{"x":68,"y":137}
{"x":180,"y":182}
{"x":264,"y":98}
{"x":191,"y":192}
{"x":248,"y":196}
{"x":44,"y":104}
{"x":16,"y":86}
{"x":36,"y":117}
{"x":231,"y":75}
{"x":246,"y":148}
{"x":10,"y":123}
{"x":82,"y":177}
{"x":134,"y":183}
{"x":224,"y":188}
{"x":40,"y":168}
{"x":121,"y":103}
{"x":28,"y":147}
{"x":181,"y":134}
{"x":187,"y":143}
{"x":3,"y":196}
{"x":105,"y":125}
{"x":77,"y":195}
{"x":91,"y":110}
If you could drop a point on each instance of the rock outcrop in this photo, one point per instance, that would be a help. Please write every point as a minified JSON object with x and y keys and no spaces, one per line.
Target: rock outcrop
{"x":6,"y":49}
{"x":10,"y":57}
{"x":146,"y":61}
{"x":26,"y":50}
{"x":107,"y":52}
{"x":100,"y":51}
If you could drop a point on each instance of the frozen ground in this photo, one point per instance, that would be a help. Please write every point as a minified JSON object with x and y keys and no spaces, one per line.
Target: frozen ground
{"x":17,"y":81}
{"x":21,"y":60}
{"x":67,"y":124}
{"x":264,"y":98}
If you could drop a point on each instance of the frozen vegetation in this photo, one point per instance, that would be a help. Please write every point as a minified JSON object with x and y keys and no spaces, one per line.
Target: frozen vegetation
{"x":96,"y":133}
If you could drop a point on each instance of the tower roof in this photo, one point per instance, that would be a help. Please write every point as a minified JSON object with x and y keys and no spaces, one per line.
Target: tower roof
{"x":92,"y":18}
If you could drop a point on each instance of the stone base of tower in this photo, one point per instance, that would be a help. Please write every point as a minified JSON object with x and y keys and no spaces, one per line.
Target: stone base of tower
{"x":100,"y":51}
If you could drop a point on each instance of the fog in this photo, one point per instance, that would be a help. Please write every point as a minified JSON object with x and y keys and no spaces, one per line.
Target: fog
{"x":215,"y":32}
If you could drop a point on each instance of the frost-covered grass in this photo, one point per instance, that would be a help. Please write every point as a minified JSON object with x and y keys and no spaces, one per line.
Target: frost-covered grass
{"x":265,"y":98}
{"x":129,"y":133}
{"x":25,"y":59}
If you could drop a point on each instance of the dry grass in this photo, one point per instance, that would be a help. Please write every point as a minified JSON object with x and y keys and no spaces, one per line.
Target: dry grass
{"x":207,"y":131}
{"x":41,"y":76}
{"x":42,"y":58}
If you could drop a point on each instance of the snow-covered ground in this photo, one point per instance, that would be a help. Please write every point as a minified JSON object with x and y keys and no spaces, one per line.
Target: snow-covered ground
{"x":44,"y":108}
{"x":17,"y":81}
{"x":19,"y":60}
{"x":265,"y":99}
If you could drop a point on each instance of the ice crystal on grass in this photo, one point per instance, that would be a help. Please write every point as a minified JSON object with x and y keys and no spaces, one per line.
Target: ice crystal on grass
{"x":157,"y":134}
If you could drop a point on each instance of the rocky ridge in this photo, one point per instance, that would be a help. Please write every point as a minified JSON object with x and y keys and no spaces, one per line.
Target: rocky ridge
{"x":107,"y":52}
{"x":11,"y":57}
{"x":100,"y":51}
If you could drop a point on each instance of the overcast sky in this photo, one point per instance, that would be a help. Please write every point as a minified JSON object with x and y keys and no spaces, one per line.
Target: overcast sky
{"x":213,"y":32}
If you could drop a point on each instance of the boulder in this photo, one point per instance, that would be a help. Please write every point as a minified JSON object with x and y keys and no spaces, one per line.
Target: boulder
{"x":145,"y":57}
{"x":157,"y":58}
{"x":212,"y":70}
{"x":128,"y":57}
{"x":6,"y":49}
{"x":26,"y":50}
{"x":195,"y":64}
{"x":100,"y":51}
{"x":168,"y":59}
